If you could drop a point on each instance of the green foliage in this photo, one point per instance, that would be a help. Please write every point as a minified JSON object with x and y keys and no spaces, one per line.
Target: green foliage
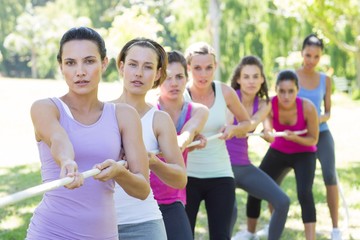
{"x":272,"y":30}
{"x":356,"y":94}
{"x":188,"y":22}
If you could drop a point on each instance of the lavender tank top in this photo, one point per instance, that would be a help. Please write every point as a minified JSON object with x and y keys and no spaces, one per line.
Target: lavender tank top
{"x":87,"y":212}
{"x":163,"y":193}
{"x":238,"y":147}
{"x":280,"y":143}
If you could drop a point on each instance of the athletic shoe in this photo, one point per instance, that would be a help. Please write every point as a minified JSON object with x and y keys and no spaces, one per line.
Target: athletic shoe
{"x":263,"y":233}
{"x":336,"y":234}
{"x":245,"y":235}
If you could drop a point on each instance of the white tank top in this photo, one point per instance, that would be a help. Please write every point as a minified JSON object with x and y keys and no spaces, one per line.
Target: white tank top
{"x":213,"y":161}
{"x":131,"y":210}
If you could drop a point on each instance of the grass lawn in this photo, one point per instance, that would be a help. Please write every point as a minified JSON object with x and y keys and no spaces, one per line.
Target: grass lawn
{"x":19,"y":164}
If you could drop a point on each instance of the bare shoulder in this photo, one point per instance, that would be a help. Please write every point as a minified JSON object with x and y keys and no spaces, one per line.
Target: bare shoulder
{"x":45,"y":104}
{"x":160,"y":116}
{"x":162,"y":122}
{"x":328,"y":80}
{"x":226,"y":89}
{"x":199,"y":107}
{"x":308,"y":106}
{"x":125,"y":112}
{"x":228,"y":92}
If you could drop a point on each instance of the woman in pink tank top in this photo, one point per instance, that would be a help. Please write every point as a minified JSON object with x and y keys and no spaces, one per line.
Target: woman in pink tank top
{"x":189,"y":119}
{"x":290,"y":113}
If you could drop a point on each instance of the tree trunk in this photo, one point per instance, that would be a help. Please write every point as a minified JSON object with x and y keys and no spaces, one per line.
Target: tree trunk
{"x":357,"y":56}
{"x":215,"y":18}
{"x":33,"y":63}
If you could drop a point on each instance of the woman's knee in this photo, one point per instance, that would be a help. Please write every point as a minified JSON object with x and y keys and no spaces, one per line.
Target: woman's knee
{"x":282,"y":203}
{"x":330,"y":178}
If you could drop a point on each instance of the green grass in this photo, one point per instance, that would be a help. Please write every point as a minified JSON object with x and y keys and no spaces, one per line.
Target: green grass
{"x":15,"y":218}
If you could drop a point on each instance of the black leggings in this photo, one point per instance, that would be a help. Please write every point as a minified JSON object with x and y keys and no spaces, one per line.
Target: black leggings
{"x":219,"y":197}
{"x":176,"y":221}
{"x":275,"y":163}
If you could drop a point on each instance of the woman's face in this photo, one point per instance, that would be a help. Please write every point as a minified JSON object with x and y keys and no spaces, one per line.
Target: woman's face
{"x":202,"y":70}
{"x":174,"y":85}
{"x":139,"y":70}
{"x":286,"y":92}
{"x":311,"y":56}
{"x":82,"y":66}
{"x":250,"y":79}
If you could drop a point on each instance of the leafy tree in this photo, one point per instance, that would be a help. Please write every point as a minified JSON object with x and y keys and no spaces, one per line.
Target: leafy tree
{"x":36,"y":37}
{"x":129,"y":23}
{"x":9,"y":10}
{"x":337,"y":20}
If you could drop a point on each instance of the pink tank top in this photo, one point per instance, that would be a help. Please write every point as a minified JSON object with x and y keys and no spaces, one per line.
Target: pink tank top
{"x":162,"y":192}
{"x":280,"y":143}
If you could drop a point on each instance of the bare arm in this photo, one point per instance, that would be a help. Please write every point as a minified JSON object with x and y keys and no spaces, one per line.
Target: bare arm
{"x":134,"y":181}
{"x":194,"y":125}
{"x":260,"y":115}
{"x":327,"y":102}
{"x":45,"y":118}
{"x":172,"y":172}
{"x":268,"y":128}
{"x":237,"y":109}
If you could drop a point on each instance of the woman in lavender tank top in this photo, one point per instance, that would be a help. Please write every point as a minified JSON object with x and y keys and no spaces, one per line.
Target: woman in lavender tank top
{"x":250,"y":84}
{"x":77,"y":132}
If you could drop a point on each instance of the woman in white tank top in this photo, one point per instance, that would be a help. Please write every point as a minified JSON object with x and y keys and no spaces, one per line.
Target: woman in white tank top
{"x":142,"y":64}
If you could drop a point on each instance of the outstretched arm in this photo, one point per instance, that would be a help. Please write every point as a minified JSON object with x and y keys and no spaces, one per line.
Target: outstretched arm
{"x":172,"y":172}
{"x":327,"y":102}
{"x":134,"y":181}
{"x":237,"y":109}
{"x":45,"y":118}
{"x":260,"y":115}
{"x":194,"y":125}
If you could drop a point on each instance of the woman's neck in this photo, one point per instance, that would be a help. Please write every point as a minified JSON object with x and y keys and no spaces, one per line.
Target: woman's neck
{"x":247,"y":99}
{"x":205,"y":96}
{"x":82,"y":103}
{"x":171,"y":105}
{"x":307,"y":71}
{"x":201,"y":92}
{"x":136,"y":101}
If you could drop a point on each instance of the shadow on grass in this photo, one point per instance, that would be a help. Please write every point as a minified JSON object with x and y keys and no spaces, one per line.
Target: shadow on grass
{"x":14,"y":219}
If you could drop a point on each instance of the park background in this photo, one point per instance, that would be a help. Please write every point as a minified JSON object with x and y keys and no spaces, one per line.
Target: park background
{"x":273,"y":30}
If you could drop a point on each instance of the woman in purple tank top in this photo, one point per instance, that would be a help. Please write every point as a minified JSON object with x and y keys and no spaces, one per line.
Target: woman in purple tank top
{"x":250,"y":84}
{"x":77,"y":132}
{"x":290,"y":113}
